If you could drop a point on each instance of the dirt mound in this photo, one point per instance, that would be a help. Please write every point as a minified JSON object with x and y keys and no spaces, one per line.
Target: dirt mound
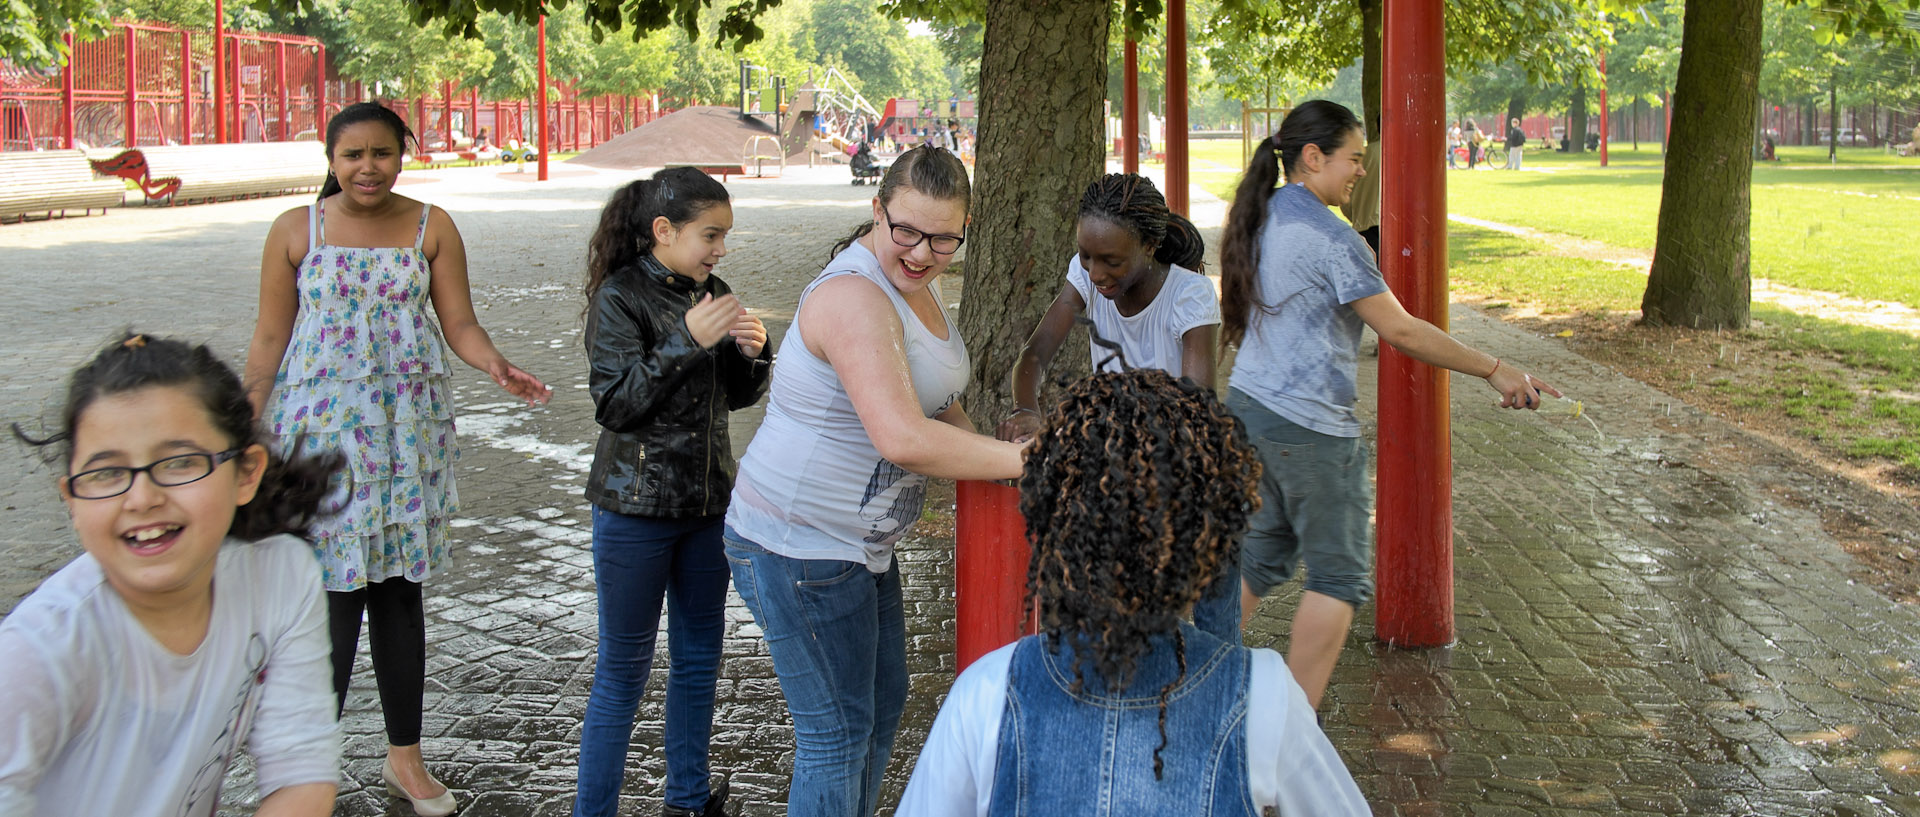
{"x":705,"y":135}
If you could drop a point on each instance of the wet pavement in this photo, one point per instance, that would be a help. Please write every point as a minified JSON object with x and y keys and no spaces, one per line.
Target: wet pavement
{"x":1650,"y":616}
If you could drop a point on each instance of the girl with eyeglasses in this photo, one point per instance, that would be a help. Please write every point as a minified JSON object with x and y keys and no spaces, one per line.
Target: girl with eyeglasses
{"x":864,"y":408}
{"x":192,"y":625}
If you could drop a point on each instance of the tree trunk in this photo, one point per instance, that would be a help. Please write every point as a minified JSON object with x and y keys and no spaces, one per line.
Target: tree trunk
{"x":1372,"y":14}
{"x":1700,"y":276}
{"x":1577,"y":120}
{"x":1041,"y":144}
{"x":1516,"y":109}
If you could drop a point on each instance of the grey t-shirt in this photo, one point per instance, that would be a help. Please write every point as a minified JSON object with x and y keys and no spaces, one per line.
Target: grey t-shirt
{"x":1298,"y":357}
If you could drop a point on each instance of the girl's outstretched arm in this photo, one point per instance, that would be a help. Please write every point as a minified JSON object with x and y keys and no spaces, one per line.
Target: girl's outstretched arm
{"x":453,"y":304}
{"x":1196,"y":354}
{"x":1035,"y":359}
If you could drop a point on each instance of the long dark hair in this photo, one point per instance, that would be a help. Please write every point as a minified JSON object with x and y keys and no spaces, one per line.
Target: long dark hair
{"x":930,"y":171}
{"x":292,"y":487}
{"x":1135,"y":496}
{"x":355,"y":114}
{"x":1130,"y":201}
{"x":625,"y":234}
{"x":1315,"y":122}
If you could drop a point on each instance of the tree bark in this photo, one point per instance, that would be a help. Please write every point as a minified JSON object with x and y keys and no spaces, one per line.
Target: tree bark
{"x":1700,"y":276}
{"x":1372,"y":14}
{"x":1043,"y":78}
{"x":1577,"y":120}
{"x":1516,"y":109}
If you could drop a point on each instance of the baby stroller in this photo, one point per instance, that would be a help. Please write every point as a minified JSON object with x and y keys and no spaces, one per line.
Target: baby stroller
{"x":865,"y":169}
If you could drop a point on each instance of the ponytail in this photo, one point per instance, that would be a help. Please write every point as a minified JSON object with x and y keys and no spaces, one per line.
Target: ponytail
{"x":1239,"y":254}
{"x":1316,"y":122}
{"x":625,"y":233}
{"x":1183,"y":246}
{"x":931,"y":171}
{"x":355,"y":114}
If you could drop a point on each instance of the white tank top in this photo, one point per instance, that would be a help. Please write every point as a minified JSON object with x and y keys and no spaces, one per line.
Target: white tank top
{"x":811,"y":485}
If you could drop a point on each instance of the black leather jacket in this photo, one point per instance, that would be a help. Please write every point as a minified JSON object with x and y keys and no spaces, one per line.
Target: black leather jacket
{"x":660,"y":399}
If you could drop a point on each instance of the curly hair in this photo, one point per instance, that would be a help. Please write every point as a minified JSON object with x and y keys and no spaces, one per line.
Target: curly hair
{"x":1135,"y":497}
{"x":1130,"y":201}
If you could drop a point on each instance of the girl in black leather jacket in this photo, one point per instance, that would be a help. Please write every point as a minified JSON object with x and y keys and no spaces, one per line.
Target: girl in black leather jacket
{"x":671,"y":351}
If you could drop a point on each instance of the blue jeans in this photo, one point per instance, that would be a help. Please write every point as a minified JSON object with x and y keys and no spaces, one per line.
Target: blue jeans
{"x":639,"y":561}
{"x":1217,"y":613}
{"x":839,"y":643}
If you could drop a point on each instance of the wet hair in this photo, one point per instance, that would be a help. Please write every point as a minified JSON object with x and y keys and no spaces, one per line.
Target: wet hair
{"x":1135,"y":496}
{"x":355,"y":114}
{"x":625,"y":234}
{"x":1316,"y":122}
{"x":931,"y":171}
{"x":292,"y":487}
{"x":1130,"y":201}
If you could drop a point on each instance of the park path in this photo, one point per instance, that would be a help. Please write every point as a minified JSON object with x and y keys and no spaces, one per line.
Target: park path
{"x":1651,"y":617}
{"x":1897,"y":317}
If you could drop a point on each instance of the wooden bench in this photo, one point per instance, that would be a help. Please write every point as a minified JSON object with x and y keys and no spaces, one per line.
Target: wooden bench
{"x":211,"y":172}
{"x":721,"y":169}
{"x":53,"y":181}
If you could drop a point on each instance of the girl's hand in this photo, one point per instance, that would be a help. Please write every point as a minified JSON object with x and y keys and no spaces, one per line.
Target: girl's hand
{"x":749,"y":334}
{"x":520,"y":384}
{"x":1518,"y":389}
{"x":1020,"y":426}
{"x":709,"y":320}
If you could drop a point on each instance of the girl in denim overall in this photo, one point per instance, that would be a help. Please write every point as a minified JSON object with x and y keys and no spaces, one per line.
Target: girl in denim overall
{"x":1134,"y":497}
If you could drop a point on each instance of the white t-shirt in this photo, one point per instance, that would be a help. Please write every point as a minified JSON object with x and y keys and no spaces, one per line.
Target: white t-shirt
{"x":1290,"y":764}
{"x":1151,"y":338}
{"x":103,"y":721}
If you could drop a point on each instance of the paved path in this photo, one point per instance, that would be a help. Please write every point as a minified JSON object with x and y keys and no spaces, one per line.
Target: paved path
{"x":1651,"y":618}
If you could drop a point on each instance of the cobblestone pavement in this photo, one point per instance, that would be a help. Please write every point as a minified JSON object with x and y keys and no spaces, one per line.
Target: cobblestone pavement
{"x":1651,"y":619}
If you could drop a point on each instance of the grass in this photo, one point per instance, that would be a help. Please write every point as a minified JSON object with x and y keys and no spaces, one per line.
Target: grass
{"x":1847,"y":388}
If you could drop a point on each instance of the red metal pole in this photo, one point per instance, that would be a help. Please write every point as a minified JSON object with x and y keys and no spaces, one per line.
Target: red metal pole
{"x":540,"y":94}
{"x":446,"y":113}
{"x":186,"y":88}
{"x":989,"y":569}
{"x":320,"y":94}
{"x":66,"y":94}
{"x":237,"y":129}
{"x":133,"y":100}
{"x":1176,"y":191}
{"x":575,"y":93}
{"x":1415,"y":477}
{"x":1606,"y":135}
{"x":219,"y":75}
{"x":473,"y":111}
{"x":280,"y":78}
{"x":1130,"y":108}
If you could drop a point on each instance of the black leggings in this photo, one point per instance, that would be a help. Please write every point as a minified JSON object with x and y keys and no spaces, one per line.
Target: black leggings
{"x":397,"y":635}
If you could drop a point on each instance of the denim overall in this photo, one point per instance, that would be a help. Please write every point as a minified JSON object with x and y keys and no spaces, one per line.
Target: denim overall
{"x":1092,"y":753}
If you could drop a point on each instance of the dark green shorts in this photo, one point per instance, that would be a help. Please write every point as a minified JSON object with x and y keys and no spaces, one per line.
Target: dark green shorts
{"x":1315,"y":500}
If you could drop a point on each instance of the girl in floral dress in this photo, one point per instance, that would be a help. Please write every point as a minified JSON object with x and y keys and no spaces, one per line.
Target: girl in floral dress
{"x":345,"y":350}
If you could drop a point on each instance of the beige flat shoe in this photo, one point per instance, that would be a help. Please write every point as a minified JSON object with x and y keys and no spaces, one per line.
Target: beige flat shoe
{"x":425,"y":807}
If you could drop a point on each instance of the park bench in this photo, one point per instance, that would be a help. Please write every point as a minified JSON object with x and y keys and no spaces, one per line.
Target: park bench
{"x":53,"y":181}
{"x":182,"y":174}
{"x":721,"y":169}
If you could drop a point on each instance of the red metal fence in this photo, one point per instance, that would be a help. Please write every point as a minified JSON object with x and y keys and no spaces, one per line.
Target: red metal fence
{"x":150,"y":84}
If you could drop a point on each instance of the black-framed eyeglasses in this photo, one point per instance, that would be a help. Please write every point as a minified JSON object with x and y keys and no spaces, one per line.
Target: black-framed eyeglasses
{"x":166,"y":472}
{"x":909,"y":237}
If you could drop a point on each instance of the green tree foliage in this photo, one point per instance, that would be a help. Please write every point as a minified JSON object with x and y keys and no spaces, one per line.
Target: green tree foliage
{"x":32,"y":31}
{"x":385,"y":44}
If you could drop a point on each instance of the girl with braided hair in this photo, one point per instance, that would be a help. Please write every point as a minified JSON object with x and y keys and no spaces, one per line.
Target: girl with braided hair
{"x":1135,"y":496}
{"x":1144,"y":260}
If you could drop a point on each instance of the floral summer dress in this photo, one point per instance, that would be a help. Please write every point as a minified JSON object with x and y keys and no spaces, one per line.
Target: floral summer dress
{"x":365,"y":373}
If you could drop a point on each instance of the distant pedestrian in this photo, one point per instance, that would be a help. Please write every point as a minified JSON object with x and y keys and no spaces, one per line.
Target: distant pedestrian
{"x":1516,"y":144}
{"x":1475,"y":139}
{"x":1297,"y":285}
{"x":192,"y":627}
{"x":1454,"y":142}
{"x":346,"y":350}
{"x":1134,"y":500}
{"x":865,"y":407}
